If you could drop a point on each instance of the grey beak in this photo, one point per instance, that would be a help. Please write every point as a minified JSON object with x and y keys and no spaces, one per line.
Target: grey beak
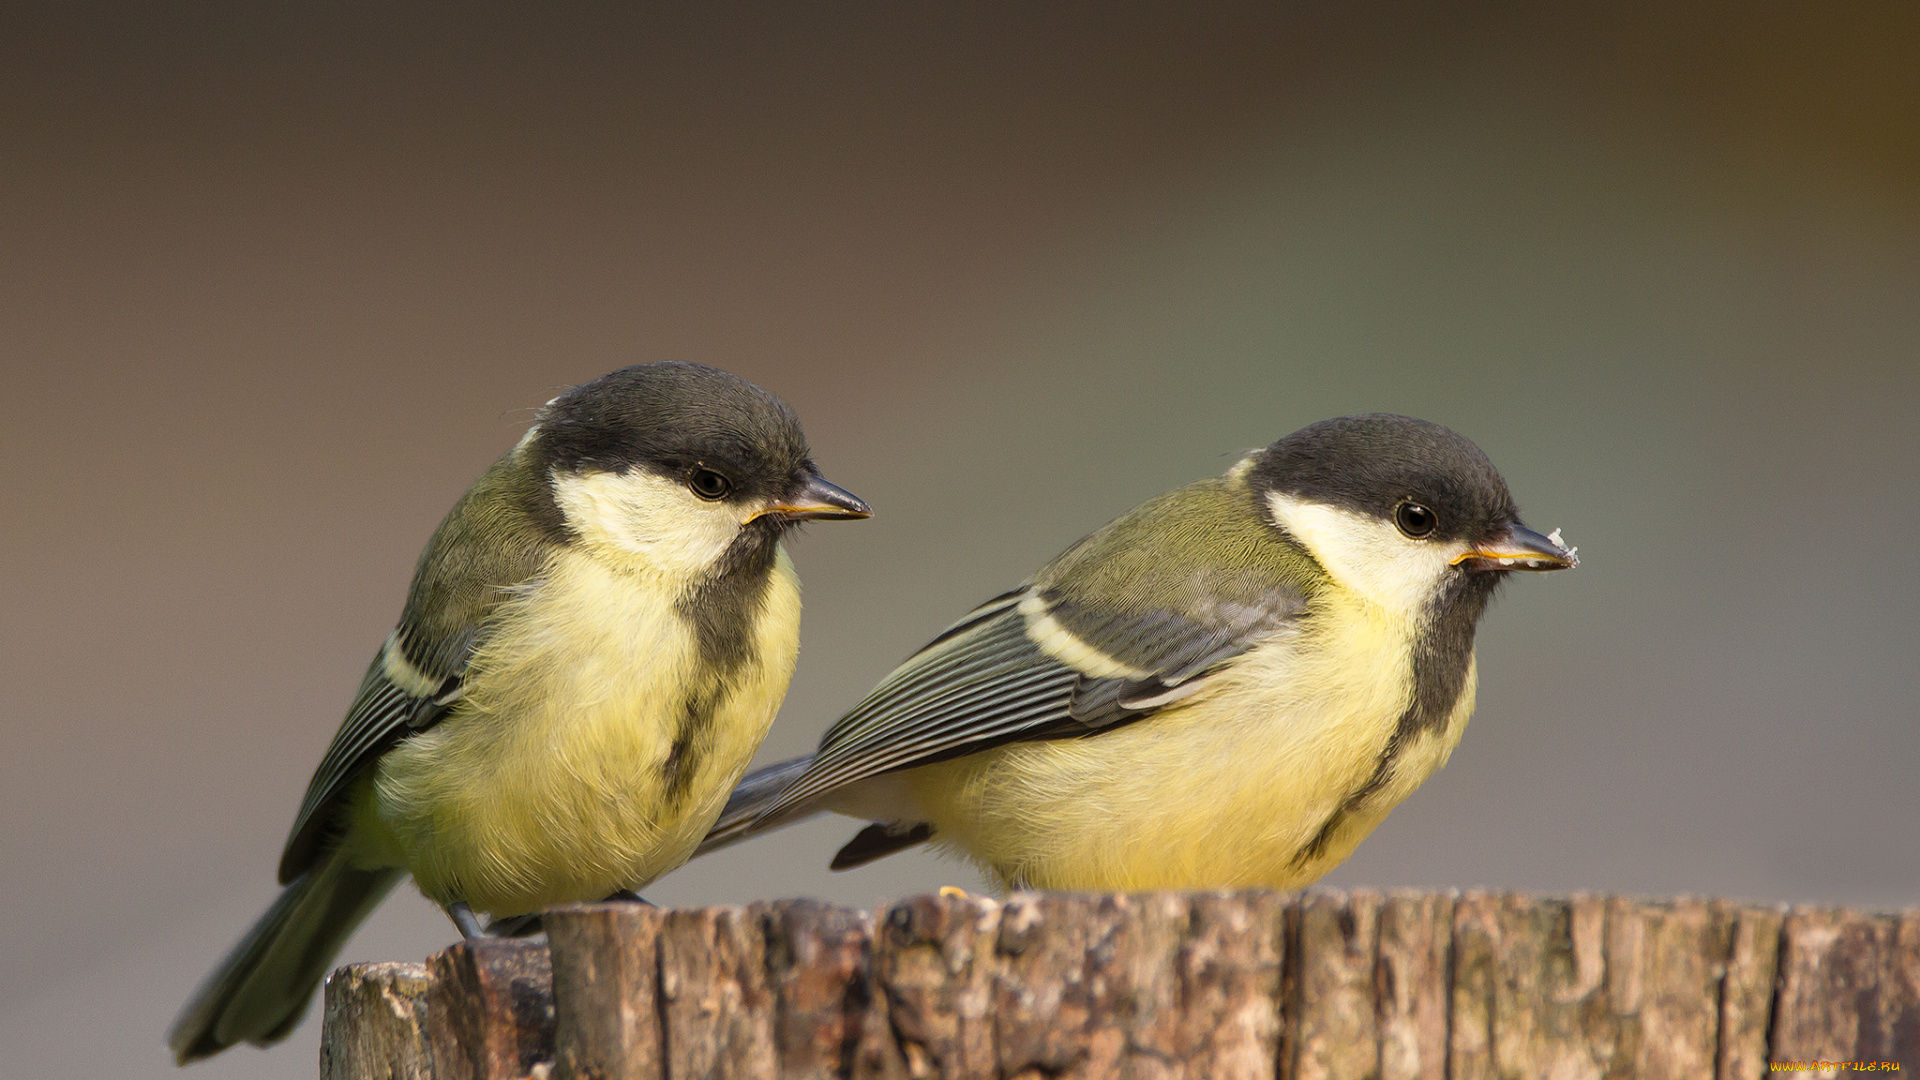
{"x":818,"y":499}
{"x":1521,"y":549}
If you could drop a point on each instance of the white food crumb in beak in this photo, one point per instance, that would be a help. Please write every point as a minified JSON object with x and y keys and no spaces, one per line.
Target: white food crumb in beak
{"x":1573,"y":553}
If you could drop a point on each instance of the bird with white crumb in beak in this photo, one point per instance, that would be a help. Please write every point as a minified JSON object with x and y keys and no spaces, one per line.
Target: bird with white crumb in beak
{"x":1228,"y":686}
{"x":595,"y":642}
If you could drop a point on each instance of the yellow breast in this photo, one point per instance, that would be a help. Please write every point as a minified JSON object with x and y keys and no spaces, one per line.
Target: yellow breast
{"x":592,"y":748}
{"x":1223,"y":790}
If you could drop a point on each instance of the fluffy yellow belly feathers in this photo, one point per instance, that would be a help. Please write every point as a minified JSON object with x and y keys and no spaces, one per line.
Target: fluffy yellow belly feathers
{"x":1232,"y":787}
{"x":540,"y":804}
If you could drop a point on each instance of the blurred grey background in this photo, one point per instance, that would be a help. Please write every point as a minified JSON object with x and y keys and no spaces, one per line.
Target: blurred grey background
{"x":277,"y":281}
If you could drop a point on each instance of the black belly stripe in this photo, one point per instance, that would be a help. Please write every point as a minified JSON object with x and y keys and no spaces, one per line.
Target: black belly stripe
{"x":723,"y":608}
{"x":1382,"y":772}
{"x":1442,"y":650}
{"x":692,"y":739}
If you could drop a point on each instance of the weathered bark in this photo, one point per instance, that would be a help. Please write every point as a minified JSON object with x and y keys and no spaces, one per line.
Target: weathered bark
{"x":490,"y":1010}
{"x":376,"y":1024}
{"x":605,"y":991}
{"x":1235,"y":986}
{"x":1849,"y":987}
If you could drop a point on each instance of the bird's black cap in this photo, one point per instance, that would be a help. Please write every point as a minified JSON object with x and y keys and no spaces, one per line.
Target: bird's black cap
{"x":1372,"y":463}
{"x":672,"y":418}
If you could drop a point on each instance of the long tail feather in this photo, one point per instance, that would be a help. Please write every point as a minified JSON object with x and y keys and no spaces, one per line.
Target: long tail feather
{"x":260,"y":991}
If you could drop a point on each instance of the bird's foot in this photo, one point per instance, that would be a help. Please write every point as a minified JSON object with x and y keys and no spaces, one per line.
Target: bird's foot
{"x":464,"y":920}
{"x":519,"y":926}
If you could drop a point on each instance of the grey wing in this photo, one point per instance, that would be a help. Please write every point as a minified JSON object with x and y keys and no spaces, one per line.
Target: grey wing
{"x":400,"y":696}
{"x":741,"y":817}
{"x":1167,"y":651}
{"x":988,"y":681}
{"x":981,"y":682}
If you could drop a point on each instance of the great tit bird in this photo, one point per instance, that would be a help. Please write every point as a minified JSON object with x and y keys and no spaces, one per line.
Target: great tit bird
{"x":594,"y":644}
{"x":1228,"y":686}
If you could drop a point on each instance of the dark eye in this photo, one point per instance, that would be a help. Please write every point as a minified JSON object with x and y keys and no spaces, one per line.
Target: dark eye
{"x":1415,"y":520}
{"x":709,"y":485}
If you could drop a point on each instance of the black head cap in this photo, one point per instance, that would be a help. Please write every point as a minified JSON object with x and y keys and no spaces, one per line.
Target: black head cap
{"x":677,"y":419}
{"x":1373,"y":463}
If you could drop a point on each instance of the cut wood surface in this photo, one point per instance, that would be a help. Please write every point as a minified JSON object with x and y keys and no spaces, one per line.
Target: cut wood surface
{"x":1157,"y":986}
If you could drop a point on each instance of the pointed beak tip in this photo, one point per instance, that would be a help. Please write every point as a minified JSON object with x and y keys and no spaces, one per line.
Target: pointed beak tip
{"x":821,"y":500}
{"x":1522,"y":549}
{"x":853,"y":511}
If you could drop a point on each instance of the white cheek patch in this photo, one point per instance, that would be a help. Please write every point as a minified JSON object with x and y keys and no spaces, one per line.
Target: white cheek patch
{"x":638,"y":516}
{"x":1366,"y":554}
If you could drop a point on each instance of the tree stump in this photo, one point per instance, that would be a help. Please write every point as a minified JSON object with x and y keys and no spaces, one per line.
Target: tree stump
{"x":1156,"y":986}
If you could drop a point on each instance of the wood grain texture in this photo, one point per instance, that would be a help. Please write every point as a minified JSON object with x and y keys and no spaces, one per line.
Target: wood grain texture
{"x":1848,"y":987}
{"x":606,"y":978}
{"x":715,"y":1005}
{"x":1411,"y":978}
{"x":934,"y":965}
{"x":490,"y":1010}
{"x":820,"y":972}
{"x":1746,"y":996}
{"x":376,"y":1019}
{"x":1157,"y":986}
{"x":1229,"y":1020}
